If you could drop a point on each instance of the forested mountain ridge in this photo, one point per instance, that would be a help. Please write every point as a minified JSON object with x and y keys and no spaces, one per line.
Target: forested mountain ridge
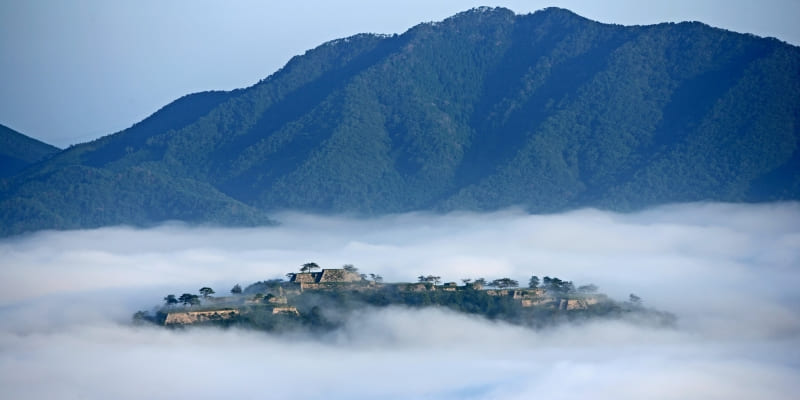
{"x":484,"y":110}
{"x":18,"y":151}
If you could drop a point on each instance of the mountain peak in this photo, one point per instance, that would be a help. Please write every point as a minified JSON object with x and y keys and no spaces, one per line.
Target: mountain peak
{"x":481,"y":111}
{"x":488,"y":10}
{"x":18,"y":151}
{"x":482,"y":13}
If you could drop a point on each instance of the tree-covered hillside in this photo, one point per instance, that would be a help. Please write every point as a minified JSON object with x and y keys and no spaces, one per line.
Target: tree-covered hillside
{"x":484,"y":110}
{"x":18,"y":151}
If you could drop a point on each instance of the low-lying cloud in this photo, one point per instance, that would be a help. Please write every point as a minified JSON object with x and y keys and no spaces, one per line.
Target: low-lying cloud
{"x":729,"y":273}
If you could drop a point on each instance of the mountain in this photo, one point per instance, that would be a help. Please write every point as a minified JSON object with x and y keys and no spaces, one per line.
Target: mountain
{"x":78,"y":188}
{"x":18,"y":151}
{"x":484,"y":110}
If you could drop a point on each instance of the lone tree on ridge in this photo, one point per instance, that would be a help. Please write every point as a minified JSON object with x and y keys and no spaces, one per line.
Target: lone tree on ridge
{"x":206,"y":291}
{"x":308,"y":267}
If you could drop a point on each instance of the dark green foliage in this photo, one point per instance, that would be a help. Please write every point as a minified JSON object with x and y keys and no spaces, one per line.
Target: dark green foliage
{"x":189,"y":299}
{"x":18,"y":151}
{"x":174,"y":116}
{"x":263,"y":287}
{"x":481,"y":111}
{"x":504,"y":283}
{"x":140,"y":317}
{"x":337,"y":304}
{"x":429,"y":279}
{"x":533,"y":283}
{"x":556,"y":286}
{"x":170,"y":300}
{"x":237,"y":289}
{"x":76,"y":197}
{"x":309,"y":267}
{"x":590,"y":288}
{"x":287,"y":308}
{"x":350,"y":268}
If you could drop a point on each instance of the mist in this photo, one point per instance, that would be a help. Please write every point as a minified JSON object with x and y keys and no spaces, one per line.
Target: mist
{"x":728,"y":272}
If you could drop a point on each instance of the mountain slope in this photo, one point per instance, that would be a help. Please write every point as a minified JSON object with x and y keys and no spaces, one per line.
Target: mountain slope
{"x":76,"y":189}
{"x":484,"y":110}
{"x":76,"y":197}
{"x":18,"y":151}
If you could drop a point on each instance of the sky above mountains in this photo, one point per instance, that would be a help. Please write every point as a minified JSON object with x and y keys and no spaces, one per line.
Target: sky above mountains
{"x":74,"y":71}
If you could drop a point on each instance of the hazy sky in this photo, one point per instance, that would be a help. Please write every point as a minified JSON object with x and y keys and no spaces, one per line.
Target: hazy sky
{"x":71,"y":71}
{"x":728,"y":272}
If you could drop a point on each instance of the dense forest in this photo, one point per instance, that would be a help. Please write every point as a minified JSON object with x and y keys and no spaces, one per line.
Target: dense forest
{"x":484,"y":110}
{"x":18,"y":151}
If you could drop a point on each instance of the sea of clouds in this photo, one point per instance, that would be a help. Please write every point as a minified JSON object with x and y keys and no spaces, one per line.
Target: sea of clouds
{"x":730,"y":273}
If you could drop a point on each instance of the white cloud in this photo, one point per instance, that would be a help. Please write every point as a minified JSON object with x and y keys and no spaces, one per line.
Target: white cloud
{"x":729,"y":272}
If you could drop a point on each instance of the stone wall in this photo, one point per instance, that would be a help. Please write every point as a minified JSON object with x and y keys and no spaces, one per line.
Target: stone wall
{"x":193,"y":317}
{"x":285,"y":310}
{"x":536,"y":302}
{"x":305,"y":277}
{"x":580,"y":304}
{"x":277,"y":300}
{"x":326,"y":276}
{"x":561,"y":304}
{"x":338,"y":275}
{"x":358,"y":286}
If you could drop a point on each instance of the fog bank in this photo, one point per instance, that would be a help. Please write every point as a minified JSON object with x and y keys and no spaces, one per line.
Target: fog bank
{"x":729,"y":273}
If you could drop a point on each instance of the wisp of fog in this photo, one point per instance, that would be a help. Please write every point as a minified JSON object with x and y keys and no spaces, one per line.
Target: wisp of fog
{"x":730,"y":273}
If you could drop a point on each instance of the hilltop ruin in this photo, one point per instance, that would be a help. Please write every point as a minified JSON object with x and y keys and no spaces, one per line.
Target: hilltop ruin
{"x":309,"y":298}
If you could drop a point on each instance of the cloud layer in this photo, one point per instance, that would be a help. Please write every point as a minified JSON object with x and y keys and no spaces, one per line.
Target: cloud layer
{"x":729,"y":272}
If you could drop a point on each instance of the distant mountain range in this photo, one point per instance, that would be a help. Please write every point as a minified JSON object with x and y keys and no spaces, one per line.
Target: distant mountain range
{"x":18,"y":151}
{"x":484,"y":110}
